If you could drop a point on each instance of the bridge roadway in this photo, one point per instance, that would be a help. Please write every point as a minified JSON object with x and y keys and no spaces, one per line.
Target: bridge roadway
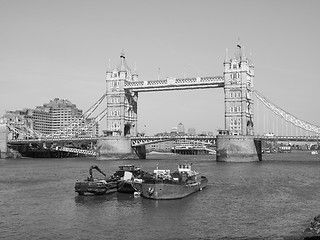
{"x":139,"y":141}
{"x":144,"y":140}
{"x":290,"y":138}
{"x":175,"y":84}
{"x":53,"y":140}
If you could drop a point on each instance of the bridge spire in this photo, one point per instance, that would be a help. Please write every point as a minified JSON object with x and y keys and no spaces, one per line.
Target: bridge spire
{"x":135,"y":73}
{"x":123,"y":66}
{"x":109,"y":66}
{"x":240,"y":55}
{"x":227,"y":56}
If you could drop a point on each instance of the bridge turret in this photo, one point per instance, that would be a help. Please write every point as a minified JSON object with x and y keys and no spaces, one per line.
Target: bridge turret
{"x":135,"y":74}
{"x":227,"y":63}
{"x":109,"y":71}
{"x":251,"y":66}
{"x":124,"y":70}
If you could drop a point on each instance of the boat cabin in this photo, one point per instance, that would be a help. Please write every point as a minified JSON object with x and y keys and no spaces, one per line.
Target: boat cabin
{"x":162,"y":173}
{"x":184,"y":168}
{"x":129,"y":168}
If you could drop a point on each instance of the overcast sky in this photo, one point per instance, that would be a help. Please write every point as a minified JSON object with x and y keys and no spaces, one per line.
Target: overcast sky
{"x":61,"y":49}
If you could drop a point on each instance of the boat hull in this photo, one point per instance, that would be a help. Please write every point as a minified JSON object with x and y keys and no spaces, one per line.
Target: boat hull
{"x":125,"y":187}
{"x":95,"y":188}
{"x":166,"y":191}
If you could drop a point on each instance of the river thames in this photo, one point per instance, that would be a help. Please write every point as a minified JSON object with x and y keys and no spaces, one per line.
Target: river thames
{"x":272,"y":199}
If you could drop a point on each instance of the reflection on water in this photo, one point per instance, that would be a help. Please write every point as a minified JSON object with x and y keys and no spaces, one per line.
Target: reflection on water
{"x":94,"y":200}
{"x":272,"y":199}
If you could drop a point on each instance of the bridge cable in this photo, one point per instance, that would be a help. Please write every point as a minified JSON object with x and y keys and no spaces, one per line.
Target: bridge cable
{"x":287,"y":116}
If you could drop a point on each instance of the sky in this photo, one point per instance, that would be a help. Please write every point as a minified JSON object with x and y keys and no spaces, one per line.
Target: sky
{"x":61,"y":49}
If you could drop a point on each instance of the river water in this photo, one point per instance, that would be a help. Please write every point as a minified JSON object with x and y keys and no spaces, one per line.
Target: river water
{"x":272,"y":199}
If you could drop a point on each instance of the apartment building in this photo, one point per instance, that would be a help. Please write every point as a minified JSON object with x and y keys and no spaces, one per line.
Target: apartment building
{"x":51,"y":117}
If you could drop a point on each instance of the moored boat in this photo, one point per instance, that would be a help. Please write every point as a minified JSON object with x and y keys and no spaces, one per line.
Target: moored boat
{"x":179,"y":184}
{"x":95,"y":186}
{"x":128,"y":175}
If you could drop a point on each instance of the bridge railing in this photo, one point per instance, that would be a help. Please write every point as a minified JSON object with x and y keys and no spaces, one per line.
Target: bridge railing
{"x":174,"y":81}
{"x":289,"y":138}
{"x":143,"y":140}
{"x":53,"y":139}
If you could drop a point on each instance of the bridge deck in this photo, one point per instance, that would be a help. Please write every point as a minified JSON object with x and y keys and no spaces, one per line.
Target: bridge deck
{"x":175,"y":84}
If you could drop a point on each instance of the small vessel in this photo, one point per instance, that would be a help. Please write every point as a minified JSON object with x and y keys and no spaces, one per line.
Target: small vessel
{"x":128,"y":175}
{"x":314,"y":152}
{"x":94,"y":186}
{"x":179,"y":184}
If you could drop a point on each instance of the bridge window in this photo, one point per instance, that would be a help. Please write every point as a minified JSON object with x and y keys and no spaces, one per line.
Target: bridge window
{"x":114,"y":100}
{"x":235,"y":94}
{"x":235,"y":121}
{"x":115,"y":113}
{"x":235,"y":75}
{"x":115,"y":126}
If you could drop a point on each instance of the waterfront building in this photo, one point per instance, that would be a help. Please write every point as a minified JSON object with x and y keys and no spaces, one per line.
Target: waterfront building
{"x":50,"y":118}
{"x":180,"y":128}
{"x":55,"y":115}
{"x":160,"y":146}
{"x":191,"y":131}
{"x":174,"y":130}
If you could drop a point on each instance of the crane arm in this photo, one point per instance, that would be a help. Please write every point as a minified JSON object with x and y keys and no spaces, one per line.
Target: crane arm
{"x":96,"y":168}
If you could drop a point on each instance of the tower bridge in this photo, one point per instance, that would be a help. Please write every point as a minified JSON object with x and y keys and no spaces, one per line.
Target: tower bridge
{"x":236,"y":142}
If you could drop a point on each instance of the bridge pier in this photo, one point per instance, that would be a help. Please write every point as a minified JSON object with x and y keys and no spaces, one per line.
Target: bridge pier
{"x":109,"y":148}
{"x":3,"y":140}
{"x":238,"y":148}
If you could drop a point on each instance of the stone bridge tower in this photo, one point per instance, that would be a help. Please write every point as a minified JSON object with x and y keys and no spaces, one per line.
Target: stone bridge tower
{"x":238,"y":75}
{"x":238,"y":143}
{"x":121,"y":104}
{"x":121,"y":115}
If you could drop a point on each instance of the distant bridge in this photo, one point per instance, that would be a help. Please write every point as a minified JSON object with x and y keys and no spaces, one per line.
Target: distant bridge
{"x":139,"y":141}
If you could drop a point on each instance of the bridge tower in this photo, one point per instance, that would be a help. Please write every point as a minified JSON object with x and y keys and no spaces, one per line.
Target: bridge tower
{"x":121,"y":116}
{"x":121,"y":104}
{"x":3,"y":140}
{"x":238,"y":76}
{"x":237,"y":143}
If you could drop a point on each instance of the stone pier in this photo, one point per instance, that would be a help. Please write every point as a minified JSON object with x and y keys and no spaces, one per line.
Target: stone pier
{"x":3,"y":140}
{"x":237,"y":148}
{"x":109,"y":148}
